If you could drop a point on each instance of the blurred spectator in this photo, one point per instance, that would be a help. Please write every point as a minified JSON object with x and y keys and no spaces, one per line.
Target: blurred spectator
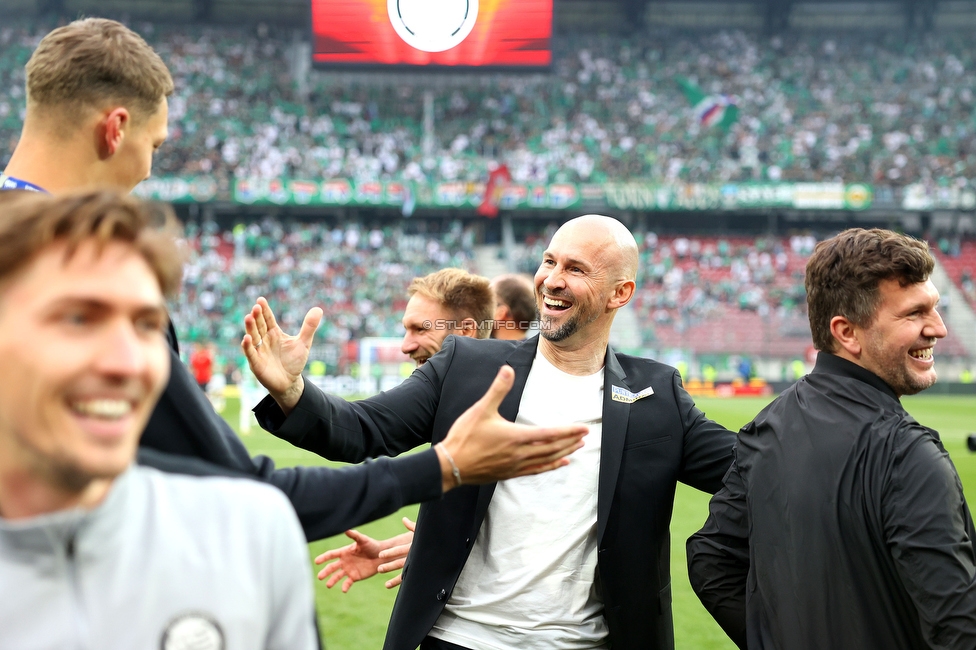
{"x":515,"y":306}
{"x":202,"y":363}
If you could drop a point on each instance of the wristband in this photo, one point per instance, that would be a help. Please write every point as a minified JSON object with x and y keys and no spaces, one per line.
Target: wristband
{"x":454,"y":468}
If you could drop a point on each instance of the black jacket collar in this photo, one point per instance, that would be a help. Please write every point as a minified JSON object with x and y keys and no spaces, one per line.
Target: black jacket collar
{"x":832,"y":364}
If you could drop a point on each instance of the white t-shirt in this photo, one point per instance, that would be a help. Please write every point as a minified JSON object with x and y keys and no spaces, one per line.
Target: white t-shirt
{"x":528,"y":583}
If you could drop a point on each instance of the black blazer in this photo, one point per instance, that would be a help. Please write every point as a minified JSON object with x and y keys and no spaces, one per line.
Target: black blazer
{"x":648,"y":446}
{"x":185,"y":435}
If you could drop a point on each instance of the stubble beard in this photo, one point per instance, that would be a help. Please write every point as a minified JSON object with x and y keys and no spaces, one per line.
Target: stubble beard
{"x":897,"y":374}
{"x":567,"y":329}
{"x":562,"y":333}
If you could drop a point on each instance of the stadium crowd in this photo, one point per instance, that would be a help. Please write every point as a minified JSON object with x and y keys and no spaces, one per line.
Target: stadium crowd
{"x":358,"y":274}
{"x":685,"y":279}
{"x":851,"y":107}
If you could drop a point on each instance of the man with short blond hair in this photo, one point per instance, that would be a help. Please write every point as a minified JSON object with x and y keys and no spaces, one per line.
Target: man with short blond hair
{"x":89,"y":60}
{"x":465,"y":294}
{"x":96,"y":110}
{"x":445,"y":302}
{"x":95,"y":551}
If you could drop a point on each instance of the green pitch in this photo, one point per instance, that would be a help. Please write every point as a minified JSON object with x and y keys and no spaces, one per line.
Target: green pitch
{"x":357,"y":620}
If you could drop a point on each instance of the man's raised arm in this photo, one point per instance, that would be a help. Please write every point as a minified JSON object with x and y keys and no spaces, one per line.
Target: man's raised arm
{"x":480,"y":447}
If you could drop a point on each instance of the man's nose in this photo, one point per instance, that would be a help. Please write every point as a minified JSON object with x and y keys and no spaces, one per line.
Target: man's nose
{"x":409,"y":343}
{"x":554,"y":279}
{"x":936,"y":326}
{"x":121,"y":353}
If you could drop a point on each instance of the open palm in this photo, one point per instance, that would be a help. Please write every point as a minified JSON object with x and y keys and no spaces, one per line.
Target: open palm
{"x":277,"y":359}
{"x":363,"y":559}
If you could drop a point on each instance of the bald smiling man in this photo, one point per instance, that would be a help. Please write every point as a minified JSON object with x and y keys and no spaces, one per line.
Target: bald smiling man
{"x":514,"y":564}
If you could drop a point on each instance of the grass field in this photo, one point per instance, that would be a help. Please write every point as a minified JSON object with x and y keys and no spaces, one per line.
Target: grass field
{"x":357,"y":620}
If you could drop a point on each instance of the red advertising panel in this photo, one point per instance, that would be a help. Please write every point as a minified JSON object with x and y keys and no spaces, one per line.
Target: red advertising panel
{"x":432,"y":33}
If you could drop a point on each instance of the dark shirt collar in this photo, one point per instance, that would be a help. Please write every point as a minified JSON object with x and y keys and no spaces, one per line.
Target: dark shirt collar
{"x":832,"y":364}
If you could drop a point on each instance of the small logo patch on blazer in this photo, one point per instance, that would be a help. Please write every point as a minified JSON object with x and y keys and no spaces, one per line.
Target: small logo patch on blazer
{"x":623,"y":395}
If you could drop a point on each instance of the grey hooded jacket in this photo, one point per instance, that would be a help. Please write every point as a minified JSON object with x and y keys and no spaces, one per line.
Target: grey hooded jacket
{"x":163,"y":562}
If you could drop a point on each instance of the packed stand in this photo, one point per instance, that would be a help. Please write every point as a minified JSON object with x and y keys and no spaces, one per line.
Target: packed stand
{"x":851,"y":107}
{"x":690,"y":282}
{"x":357,"y":274}
{"x":958,"y":257}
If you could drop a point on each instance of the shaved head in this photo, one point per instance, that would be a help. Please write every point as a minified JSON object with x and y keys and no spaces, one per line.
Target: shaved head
{"x":588,"y":272}
{"x":618,"y":244}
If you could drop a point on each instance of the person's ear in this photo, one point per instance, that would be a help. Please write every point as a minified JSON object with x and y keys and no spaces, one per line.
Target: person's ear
{"x":502,"y":312}
{"x":114,"y":125}
{"x":468,"y":327}
{"x":845,"y":333}
{"x":622,"y":294}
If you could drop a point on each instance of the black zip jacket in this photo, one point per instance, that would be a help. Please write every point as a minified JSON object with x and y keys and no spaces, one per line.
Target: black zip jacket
{"x":842,"y":524}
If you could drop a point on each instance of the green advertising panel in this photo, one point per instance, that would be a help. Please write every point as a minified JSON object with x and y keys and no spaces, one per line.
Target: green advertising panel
{"x":561,"y":196}
{"x":517,"y":196}
{"x":738,"y":196}
{"x":458,"y":194}
{"x":176,"y":189}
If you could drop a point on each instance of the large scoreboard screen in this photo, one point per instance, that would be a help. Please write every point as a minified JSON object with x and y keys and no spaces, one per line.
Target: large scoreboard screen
{"x":432,"y":33}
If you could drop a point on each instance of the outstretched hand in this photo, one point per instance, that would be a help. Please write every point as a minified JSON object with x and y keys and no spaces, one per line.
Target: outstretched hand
{"x":395,"y":556}
{"x":486,"y":447}
{"x":275,"y":358}
{"x":366,"y":557}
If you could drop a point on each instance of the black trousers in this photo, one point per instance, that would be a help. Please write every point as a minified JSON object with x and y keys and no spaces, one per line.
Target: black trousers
{"x":430,"y":643}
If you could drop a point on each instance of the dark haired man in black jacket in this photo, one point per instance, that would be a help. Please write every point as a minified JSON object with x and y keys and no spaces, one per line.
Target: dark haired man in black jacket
{"x":842,"y":523}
